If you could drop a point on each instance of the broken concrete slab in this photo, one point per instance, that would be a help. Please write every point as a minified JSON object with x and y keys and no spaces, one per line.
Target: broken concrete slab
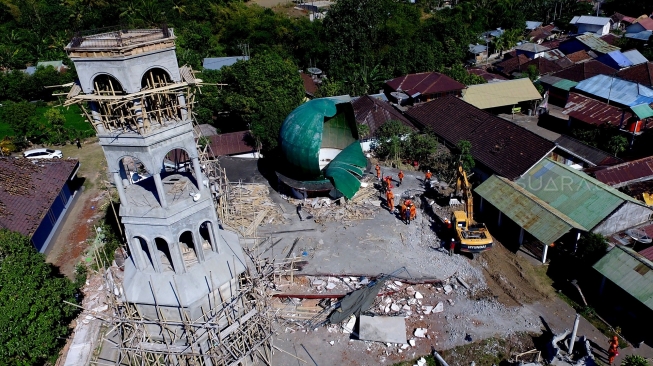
{"x":349,"y":327}
{"x":420,"y":332}
{"x":439,"y":307}
{"x":382,"y":329}
{"x":462,"y":282}
{"x":418,"y":295}
{"x":447,"y":289}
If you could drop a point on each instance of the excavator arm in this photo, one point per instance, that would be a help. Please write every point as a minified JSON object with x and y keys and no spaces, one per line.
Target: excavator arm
{"x":464,"y":189}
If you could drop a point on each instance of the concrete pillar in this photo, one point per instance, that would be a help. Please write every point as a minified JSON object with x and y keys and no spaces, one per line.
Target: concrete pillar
{"x":572,"y":340}
{"x":214,"y":231}
{"x":182,"y":102}
{"x":197,"y":241}
{"x":156,"y":256}
{"x":140,"y":258}
{"x":198,"y":173}
{"x":499,"y":220}
{"x":521,"y":236}
{"x":576,"y":241}
{"x":123,"y":173}
{"x":159,"y":190}
{"x":97,"y":117}
{"x":546,"y":249}
{"x":177,"y":258}
{"x":121,"y":190}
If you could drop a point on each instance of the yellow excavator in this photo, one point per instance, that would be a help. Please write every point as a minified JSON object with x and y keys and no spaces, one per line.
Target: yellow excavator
{"x":471,"y":237}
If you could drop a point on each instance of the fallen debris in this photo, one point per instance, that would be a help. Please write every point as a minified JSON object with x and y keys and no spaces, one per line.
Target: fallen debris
{"x":420,"y":332}
{"x":383,"y":329}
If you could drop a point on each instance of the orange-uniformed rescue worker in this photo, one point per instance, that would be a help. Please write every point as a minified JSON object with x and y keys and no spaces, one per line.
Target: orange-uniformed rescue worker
{"x":378,"y":172}
{"x":428,"y":176}
{"x":413,"y":212}
{"x":401,"y":177}
{"x":390,"y":198}
{"x":406,"y":216}
{"x":402,"y":210}
{"x":452,"y":247}
{"x":613,"y":350}
{"x":388,"y":181}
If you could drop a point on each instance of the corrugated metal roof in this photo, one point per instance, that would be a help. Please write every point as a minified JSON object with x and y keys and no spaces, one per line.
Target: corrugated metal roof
{"x":615,"y":58}
{"x":592,"y":111}
{"x":216,"y":63}
{"x":549,"y":79}
{"x":585,"y":70}
{"x":532,"y":47}
{"x":642,"y":111}
{"x":565,"y":84}
{"x":642,"y":36}
{"x":617,"y":90}
{"x":477,"y":48}
{"x":424,"y":83}
{"x":587,"y":153}
{"x":642,"y":74}
{"x":635,"y":57}
{"x":529,"y":212}
{"x":595,"y":43}
{"x":630,"y":271}
{"x":621,"y":175}
{"x":584,"y":199}
{"x":530,"y":25}
{"x":501,"y":94}
{"x":374,"y":113}
{"x":586,"y":19}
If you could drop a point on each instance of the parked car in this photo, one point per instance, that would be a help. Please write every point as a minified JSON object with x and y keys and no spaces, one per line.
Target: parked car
{"x":43,"y":154}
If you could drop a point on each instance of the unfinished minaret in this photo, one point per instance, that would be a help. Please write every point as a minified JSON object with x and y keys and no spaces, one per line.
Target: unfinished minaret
{"x":139,"y":102}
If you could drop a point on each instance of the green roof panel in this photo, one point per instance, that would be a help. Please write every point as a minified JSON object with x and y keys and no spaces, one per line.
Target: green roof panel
{"x":539,"y":219}
{"x":574,"y":193}
{"x":642,"y":111}
{"x":565,"y":84}
{"x":630,"y":271}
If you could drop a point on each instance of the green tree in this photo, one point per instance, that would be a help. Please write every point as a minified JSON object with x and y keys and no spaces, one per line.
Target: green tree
{"x":33,"y":317}
{"x":592,"y":247}
{"x":421,"y":146}
{"x":465,"y":150}
{"x":363,"y":130}
{"x":391,"y":140}
{"x":532,"y":72}
{"x":261,"y":92}
{"x":21,"y":117}
{"x":634,"y":360}
{"x":56,"y":120}
{"x":617,"y":144}
{"x":460,"y":74}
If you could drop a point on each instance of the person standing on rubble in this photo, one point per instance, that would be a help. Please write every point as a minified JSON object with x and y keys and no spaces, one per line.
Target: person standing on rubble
{"x":427,"y":178}
{"x":407,"y":212}
{"x":613,"y":350}
{"x":452,"y":247}
{"x":390,"y":199}
{"x":378,"y":172}
{"x":401,"y":177}
{"x":413,"y":212}
{"x":388,"y":181}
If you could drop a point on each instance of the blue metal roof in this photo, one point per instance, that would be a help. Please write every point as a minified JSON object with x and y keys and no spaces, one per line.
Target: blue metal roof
{"x":618,"y":58}
{"x":530,"y":25}
{"x":642,"y":36}
{"x":476,"y":49}
{"x":635,"y":57}
{"x":616,"y":90}
{"x":216,"y":63}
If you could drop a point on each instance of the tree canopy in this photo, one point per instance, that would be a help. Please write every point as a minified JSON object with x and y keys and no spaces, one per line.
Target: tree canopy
{"x":33,"y":317}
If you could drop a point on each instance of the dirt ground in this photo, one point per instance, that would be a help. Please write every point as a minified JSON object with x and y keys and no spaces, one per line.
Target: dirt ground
{"x":68,"y":249}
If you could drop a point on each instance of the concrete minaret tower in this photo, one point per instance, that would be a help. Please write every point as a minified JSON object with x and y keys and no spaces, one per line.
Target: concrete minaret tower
{"x":139,"y":102}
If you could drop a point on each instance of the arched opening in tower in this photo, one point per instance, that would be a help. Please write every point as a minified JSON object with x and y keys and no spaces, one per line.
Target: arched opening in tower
{"x":206,"y":233}
{"x":140,"y":243}
{"x":164,"y":255}
{"x":187,"y":246}
{"x":105,"y":84}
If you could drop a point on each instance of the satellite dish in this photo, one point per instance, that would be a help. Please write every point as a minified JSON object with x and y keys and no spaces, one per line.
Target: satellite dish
{"x":639,"y":235}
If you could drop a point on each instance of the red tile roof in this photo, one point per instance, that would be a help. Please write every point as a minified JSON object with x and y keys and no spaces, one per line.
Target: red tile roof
{"x":642,"y":73}
{"x":425,"y":83}
{"x":622,"y":174}
{"x":511,"y":65}
{"x":232,"y":143}
{"x":579,"y":56}
{"x":505,"y":148}
{"x":542,"y":65}
{"x":309,"y":85}
{"x":374,"y":112}
{"x":552,"y":44}
{"x":486,"y":75}
{"x":648,"y":252}
{"x":28,"y":190}
{"x":609,"y":38}
{"x":585,"y":70}
{"x":591,"y":111}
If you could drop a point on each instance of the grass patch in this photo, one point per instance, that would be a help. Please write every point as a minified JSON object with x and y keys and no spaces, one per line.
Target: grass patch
{"x":590,"y":315}
{"x":75,"y":121}
{"x":430,"y":361}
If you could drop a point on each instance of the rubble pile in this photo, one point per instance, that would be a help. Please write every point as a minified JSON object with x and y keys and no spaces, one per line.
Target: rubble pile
{"x":249,"y":207}
{"x":363,"y":206}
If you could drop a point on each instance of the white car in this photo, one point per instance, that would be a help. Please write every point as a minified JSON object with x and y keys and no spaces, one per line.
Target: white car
{"x":43,"y":154}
